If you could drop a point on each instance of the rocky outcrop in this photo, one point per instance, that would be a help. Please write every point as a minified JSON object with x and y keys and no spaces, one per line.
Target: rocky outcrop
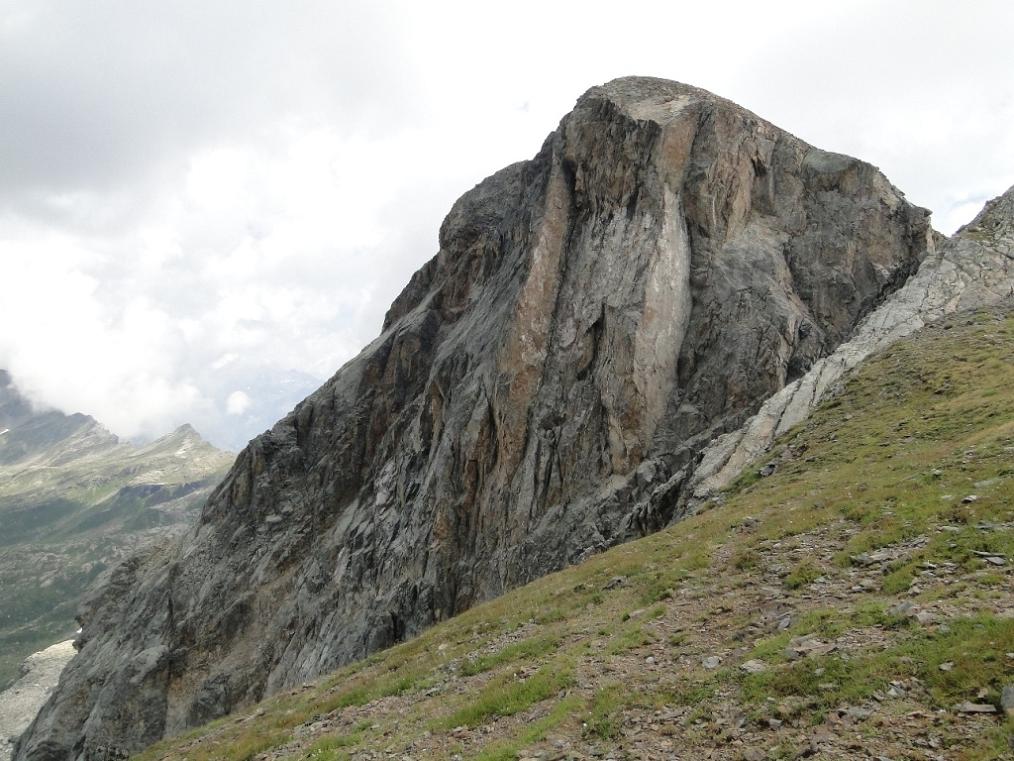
{"x":593,"y":318}
{"x":975,"y":268}
{"x":21,"y":701}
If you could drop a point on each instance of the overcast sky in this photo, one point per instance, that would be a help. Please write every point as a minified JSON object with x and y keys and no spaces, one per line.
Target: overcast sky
{"x":206,"y":207}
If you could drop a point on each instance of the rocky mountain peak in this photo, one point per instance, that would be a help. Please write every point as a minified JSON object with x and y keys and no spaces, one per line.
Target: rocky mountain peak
{"x":184,"y":434}
{"x":184,"y":445}
{"x":654,"y":99}
{"x":58,"y":438}
{"x":541,"y":390}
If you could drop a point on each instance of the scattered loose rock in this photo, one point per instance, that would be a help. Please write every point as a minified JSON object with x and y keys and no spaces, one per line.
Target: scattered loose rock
{"x":801,"y":647}
{"x":1007,"y":699}
{"x":968,"y":707}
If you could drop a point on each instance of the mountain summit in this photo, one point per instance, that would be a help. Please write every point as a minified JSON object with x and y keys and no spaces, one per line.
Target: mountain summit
{"x":541,"y":390}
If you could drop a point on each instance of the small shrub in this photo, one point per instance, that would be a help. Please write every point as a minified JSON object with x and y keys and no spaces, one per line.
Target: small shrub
{"x":804,"y":573}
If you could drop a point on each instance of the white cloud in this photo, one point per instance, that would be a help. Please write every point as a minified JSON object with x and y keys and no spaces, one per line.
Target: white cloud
{"x":199,"y":197}
{"x":224,"y":361}
{"x":78,"y":348}
{"x":238,"y":403}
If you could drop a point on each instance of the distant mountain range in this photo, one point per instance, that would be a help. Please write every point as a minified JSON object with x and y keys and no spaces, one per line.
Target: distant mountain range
{"x":74,"y":501}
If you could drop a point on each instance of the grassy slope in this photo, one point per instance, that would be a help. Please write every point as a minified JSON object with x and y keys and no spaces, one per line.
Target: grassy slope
{"x":865,"y":511}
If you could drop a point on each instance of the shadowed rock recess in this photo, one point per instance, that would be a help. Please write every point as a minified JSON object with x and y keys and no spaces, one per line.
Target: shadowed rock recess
{"x":593,"y":318}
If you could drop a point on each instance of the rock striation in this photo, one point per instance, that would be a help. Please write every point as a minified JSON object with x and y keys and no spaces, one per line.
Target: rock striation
{"x":975,"y":268}
{"x":593,"y":318}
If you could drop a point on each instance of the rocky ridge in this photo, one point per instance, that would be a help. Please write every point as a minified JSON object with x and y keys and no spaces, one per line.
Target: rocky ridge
{"x":974,"y":268}
{"x":594,"y":317}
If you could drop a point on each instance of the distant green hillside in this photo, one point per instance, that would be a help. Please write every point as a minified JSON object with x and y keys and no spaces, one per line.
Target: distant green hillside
{"x":74,"y":500}
{"x":856,"y":603}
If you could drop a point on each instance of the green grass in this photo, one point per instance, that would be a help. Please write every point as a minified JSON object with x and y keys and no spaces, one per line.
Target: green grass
{"x":332,"y":748}
{"x":527,"y":649}
{"x":977,"y":647}
{"x":508,"y":750}
{"x":507,"y":695}
{"x":603,"y":719}
{"x":804,"y":573}
{"x":627,"y":638}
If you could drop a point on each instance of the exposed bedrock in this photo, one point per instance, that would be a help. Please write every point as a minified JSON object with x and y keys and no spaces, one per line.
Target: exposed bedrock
{"x":593,"y":318}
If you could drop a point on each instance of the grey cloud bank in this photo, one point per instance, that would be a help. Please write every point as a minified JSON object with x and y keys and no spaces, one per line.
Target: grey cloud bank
{"x":206,"y":208}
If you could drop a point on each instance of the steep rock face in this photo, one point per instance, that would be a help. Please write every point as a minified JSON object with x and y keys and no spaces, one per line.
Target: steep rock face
{"x":975,"y":268}
{"x":593,"y":318}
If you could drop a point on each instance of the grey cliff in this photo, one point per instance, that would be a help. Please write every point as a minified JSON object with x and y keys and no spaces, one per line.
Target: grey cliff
{"x":593,"y":318}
